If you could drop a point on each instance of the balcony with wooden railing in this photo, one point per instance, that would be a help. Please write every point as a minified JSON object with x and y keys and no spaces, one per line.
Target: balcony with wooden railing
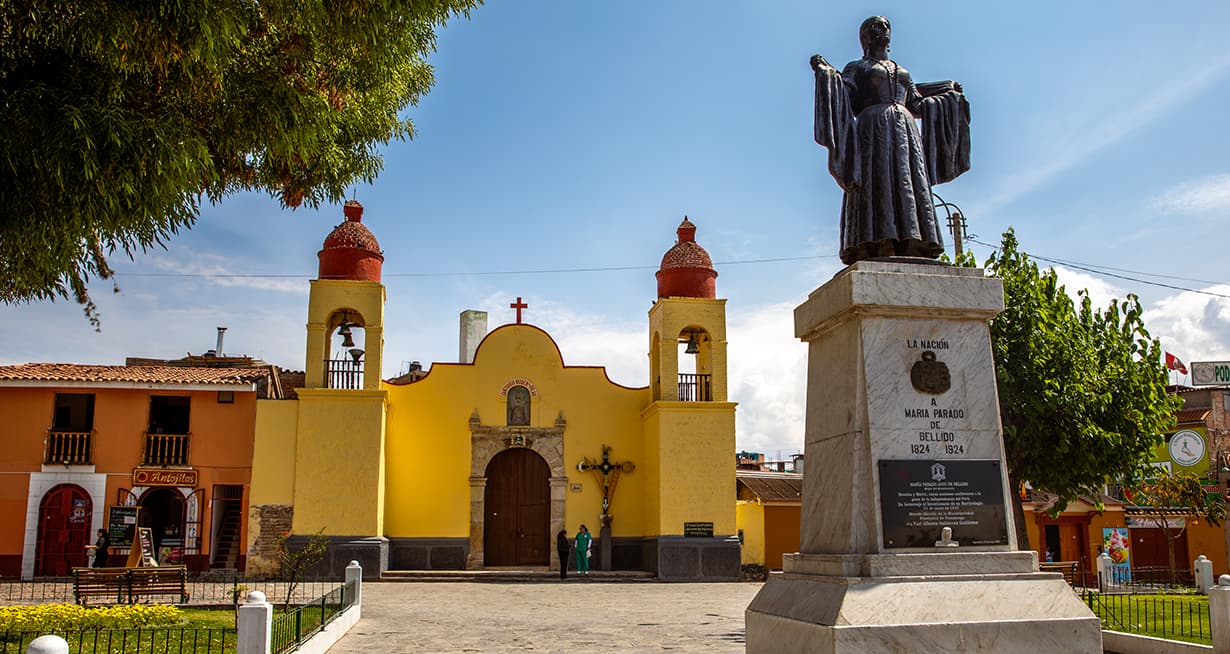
{"x":69,"y":448}
{"x":344,"y":374}
{"x":695,"y":387}
{"x":165,"y":450}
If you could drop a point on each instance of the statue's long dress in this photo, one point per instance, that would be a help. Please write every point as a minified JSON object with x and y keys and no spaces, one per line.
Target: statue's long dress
{"x":865,"y":116}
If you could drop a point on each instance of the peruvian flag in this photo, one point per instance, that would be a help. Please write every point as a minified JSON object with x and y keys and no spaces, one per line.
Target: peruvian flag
{"x":1175,"y":363}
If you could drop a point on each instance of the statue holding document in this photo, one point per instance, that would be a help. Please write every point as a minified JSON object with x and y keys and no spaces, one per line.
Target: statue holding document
{"x":865,"y":117}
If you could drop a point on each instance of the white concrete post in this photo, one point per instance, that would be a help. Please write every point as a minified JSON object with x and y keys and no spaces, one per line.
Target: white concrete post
{"x":354,"y":572}
{"x":1204,"y":573}
{"x":49,"y":644}
{"x":254,"y":625}
{"x":1219,"y":615}
{"x":1106,"y":571}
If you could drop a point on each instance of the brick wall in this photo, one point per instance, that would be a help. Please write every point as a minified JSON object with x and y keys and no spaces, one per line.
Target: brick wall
{"x":268,"y":524}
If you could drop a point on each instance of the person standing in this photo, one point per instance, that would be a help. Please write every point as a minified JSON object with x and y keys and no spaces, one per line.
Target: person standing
{"x":100,"y":547}
{"x":564,"y":548}
{"x":582,"y":544}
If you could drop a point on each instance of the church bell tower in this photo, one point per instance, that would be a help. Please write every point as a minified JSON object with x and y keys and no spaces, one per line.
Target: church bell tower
{"x":340,"y":427}
{"x":689,"y":425}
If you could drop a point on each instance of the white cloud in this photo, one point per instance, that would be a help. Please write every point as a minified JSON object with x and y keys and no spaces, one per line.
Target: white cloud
{"x":1210,"y":193}
{"x":768,"y":378}
{"x":1101,"y":292}
{"x":766,"y":364}
{"x":1193,"y":326}
{"x":221,"y":271}
{"x":57,"y":332}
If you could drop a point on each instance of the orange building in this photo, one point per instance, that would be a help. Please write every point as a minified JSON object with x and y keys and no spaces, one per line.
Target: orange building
{"x":769,"y":509}
{"x":175,"y":442}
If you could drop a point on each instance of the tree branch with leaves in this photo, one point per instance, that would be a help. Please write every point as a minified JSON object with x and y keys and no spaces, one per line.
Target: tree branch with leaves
{"x":1169,"y":500}
{"x":121,"y":118}
{"x":1082,"y":391}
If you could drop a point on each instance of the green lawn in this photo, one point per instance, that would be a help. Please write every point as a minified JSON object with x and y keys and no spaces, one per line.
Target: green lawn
{"x":1176,"y":617}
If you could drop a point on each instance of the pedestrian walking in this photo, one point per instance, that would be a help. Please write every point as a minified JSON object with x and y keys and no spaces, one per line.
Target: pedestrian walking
{"x":100,"y":547}
{"x":582,"y":543}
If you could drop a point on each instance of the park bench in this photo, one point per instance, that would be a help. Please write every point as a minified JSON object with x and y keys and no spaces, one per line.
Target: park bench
{"x":108,"y":583}
{"x":162,"y":580}
{"x":1069,"y":570}
{"x":118,"y":585}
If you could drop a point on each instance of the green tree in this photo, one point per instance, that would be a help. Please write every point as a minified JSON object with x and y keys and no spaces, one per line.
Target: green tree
{"x":120,"y":118}
{"x":1159,"y":493}
{"x":1082,"y":391}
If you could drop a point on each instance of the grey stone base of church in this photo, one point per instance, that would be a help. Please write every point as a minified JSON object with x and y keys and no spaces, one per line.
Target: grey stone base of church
{"x":670,"y":557}
{"x":699,"y":559}
{"x":626,"y":554}
{"x":372,"y":552}
{"x":428,"y":553}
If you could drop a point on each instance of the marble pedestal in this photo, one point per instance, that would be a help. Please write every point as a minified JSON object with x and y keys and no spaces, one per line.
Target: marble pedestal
{"x":901,"y":400}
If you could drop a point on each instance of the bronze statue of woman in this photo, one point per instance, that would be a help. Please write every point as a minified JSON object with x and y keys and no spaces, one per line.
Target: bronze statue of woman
{"x":865,"y":117}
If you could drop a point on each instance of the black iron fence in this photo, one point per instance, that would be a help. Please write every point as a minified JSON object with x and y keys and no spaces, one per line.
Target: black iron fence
{"x":205,"y":590}
{"x":164,"y":640}
{"x":695,"y":387}
{"x":300,"y":623}
{"x":1153,"y":579}
{"x":1182,"y":617}
{"x":343,"y":373}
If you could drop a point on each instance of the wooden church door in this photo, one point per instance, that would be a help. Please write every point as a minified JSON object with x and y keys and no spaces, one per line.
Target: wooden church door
{"x":517,"y":504}
{"x":63,"y":530}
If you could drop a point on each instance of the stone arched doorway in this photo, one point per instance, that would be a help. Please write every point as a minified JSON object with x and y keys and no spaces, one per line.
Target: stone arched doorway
{"x":490,"y":442}
{"x":63,"y":530}
{"x":517,"y":509}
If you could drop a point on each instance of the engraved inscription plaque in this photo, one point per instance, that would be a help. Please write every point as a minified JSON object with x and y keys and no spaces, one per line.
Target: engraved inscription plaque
{"x":918,"y":498}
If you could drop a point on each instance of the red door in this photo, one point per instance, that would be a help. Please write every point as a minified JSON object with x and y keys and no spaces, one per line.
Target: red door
{"x":517,"y":503}
{"x":63,"y":530}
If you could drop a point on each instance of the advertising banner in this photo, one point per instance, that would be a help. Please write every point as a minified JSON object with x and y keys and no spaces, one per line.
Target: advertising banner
{"x":1115,"y":542}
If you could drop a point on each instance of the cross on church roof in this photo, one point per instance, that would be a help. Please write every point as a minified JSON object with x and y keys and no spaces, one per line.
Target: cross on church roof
{"x":518,"y":305}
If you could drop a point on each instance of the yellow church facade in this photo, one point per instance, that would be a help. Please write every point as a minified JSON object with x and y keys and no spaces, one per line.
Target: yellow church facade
{"x":480,"y":463}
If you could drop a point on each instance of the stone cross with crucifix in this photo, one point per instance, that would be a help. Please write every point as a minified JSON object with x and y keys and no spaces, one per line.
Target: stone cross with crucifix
{"x":607,"y":474}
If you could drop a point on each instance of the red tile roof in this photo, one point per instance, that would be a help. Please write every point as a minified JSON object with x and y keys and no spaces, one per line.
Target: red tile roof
{"x":771,"y":486}
{"x":79,"y":373}
{"x":1185,"y":416}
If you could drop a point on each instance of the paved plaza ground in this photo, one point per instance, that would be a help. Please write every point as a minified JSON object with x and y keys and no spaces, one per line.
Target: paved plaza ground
{"x":574,"y":616}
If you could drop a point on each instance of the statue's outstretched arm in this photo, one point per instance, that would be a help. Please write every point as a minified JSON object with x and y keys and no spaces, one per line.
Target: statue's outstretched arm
{"x":835,"y":123}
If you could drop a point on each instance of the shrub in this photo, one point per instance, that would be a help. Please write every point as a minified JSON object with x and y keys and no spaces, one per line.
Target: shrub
{"x":48,"y":618}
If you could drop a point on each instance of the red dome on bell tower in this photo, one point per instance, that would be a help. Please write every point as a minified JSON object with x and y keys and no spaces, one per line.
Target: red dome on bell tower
{"x":687,"y":270}
{"x":351,"y":251}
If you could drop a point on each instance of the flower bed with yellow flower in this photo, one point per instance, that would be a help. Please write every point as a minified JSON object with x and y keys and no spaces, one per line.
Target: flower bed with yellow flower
{"x":47,"y":618}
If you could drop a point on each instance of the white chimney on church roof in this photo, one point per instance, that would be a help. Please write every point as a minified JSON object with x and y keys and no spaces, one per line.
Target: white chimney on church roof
{"x":473,"y":329}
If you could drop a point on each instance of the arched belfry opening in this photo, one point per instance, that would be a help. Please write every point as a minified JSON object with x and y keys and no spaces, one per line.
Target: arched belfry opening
{"x":345,"y":358}
{"x":695,"y":356}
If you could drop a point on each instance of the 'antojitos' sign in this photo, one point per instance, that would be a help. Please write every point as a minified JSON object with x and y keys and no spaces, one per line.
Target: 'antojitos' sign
{"x":164,"y":477}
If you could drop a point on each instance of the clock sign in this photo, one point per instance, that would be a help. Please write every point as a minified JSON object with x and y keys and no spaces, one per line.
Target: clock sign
{"x":1186,"y":448}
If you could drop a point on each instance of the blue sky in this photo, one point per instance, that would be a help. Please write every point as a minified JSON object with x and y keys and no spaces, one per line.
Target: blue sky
{"x":564,"y":135}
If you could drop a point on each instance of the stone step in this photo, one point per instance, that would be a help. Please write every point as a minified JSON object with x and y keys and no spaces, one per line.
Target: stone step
{"x":519,"y":575}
